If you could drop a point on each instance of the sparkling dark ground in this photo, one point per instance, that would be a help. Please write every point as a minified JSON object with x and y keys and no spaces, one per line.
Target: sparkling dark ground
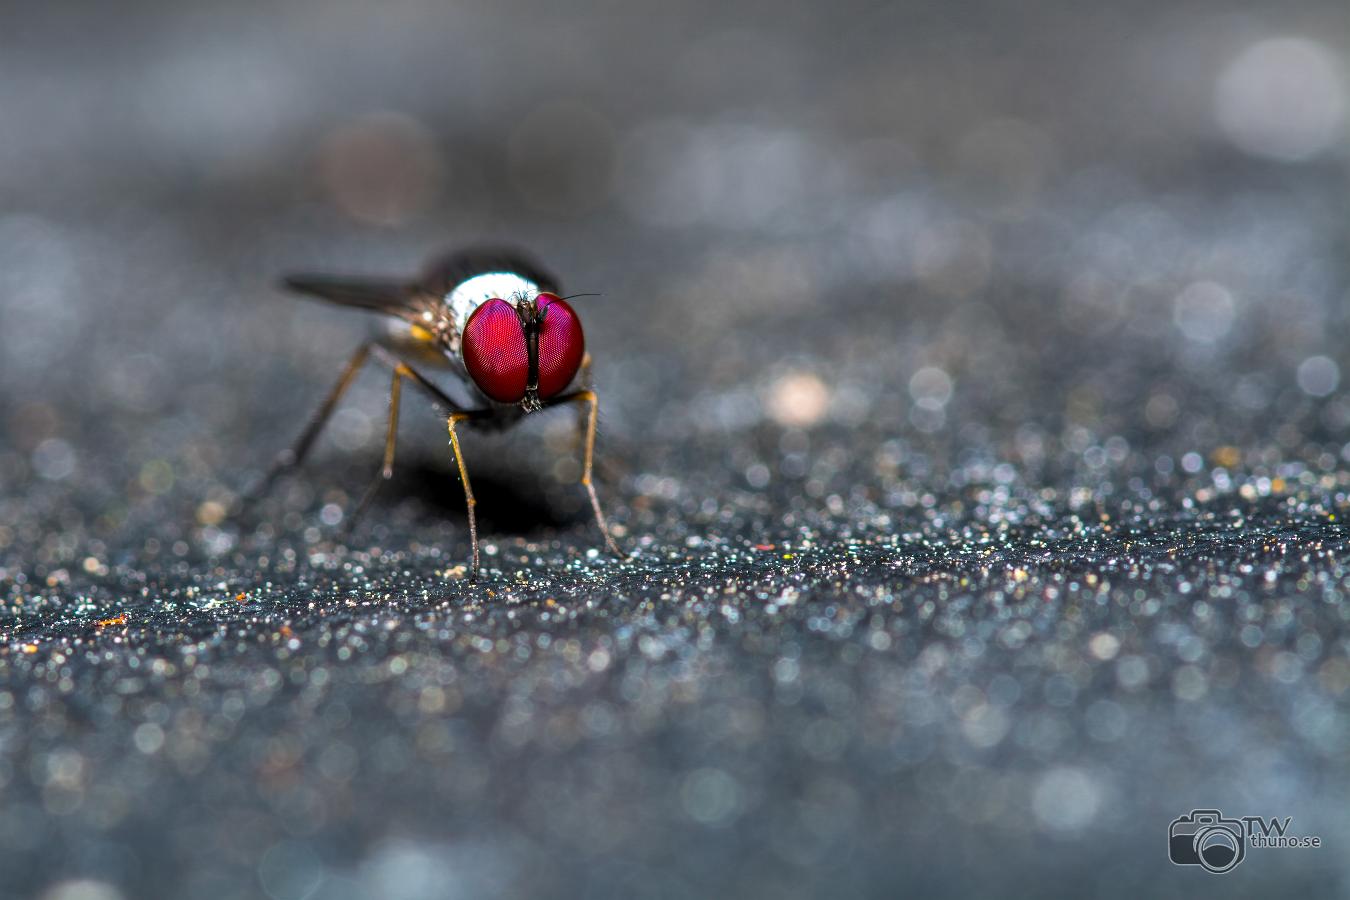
{"x":972,"y":404}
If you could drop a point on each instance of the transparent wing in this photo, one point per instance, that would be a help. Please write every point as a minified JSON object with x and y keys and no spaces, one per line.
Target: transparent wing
{"x":393,"y":298}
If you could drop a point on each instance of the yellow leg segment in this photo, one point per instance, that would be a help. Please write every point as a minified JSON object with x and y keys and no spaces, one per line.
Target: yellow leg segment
{"x":455,"y":419}
{"x":588,"y":457}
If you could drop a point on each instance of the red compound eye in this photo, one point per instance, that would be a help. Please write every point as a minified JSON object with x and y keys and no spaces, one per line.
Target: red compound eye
{"x":494,"y":351}
{"x":561,"y":345}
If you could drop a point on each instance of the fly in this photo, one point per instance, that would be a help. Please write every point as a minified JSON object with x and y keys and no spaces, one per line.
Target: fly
{"x":492,"y":317}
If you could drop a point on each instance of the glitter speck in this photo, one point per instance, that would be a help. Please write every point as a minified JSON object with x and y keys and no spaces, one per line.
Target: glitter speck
{"x":798,"y":399}
{"x":1282,"y":98}
{"x":1104,"y":645}
{"x":931,"y":388}
{"x":1204,"y":311}
{"x":1318,"y":376}
{"x":1066,"y":799}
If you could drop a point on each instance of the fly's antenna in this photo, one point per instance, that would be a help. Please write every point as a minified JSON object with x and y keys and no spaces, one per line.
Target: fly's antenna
{"x":574,"y":296}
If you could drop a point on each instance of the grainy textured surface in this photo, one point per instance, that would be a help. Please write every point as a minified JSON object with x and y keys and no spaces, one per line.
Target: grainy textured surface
{"x":972,"y":404}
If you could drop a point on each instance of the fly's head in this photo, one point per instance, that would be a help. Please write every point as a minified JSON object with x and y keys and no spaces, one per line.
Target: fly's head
{"x":526,"y":350}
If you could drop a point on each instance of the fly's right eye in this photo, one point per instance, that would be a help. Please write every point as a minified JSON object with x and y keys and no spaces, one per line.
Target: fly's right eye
{"x":493,"y":346}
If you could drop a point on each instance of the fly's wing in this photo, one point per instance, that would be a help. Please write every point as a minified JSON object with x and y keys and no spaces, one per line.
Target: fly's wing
{"x":447,"y":272}
{"x":400,"y":299}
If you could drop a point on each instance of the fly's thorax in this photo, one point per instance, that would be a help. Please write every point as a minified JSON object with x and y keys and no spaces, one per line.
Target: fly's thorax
{"x":461,"y":301}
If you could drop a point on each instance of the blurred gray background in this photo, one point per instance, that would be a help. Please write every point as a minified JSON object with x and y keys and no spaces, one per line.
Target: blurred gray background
{"x":973,"y":396}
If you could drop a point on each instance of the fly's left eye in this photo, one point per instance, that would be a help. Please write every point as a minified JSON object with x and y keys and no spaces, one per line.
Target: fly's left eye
{"x":561,"y":345}
{"x":494,"y":351}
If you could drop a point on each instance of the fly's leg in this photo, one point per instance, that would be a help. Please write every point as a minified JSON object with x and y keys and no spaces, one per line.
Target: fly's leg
{"x":586,"y":382}
{"x":386,"y":472}
{"x":450,"y":423}
{"x":586,"y":378}
{"x":403,"y":370}
{"x":295,"y":455}
{"x":587,"y":425}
